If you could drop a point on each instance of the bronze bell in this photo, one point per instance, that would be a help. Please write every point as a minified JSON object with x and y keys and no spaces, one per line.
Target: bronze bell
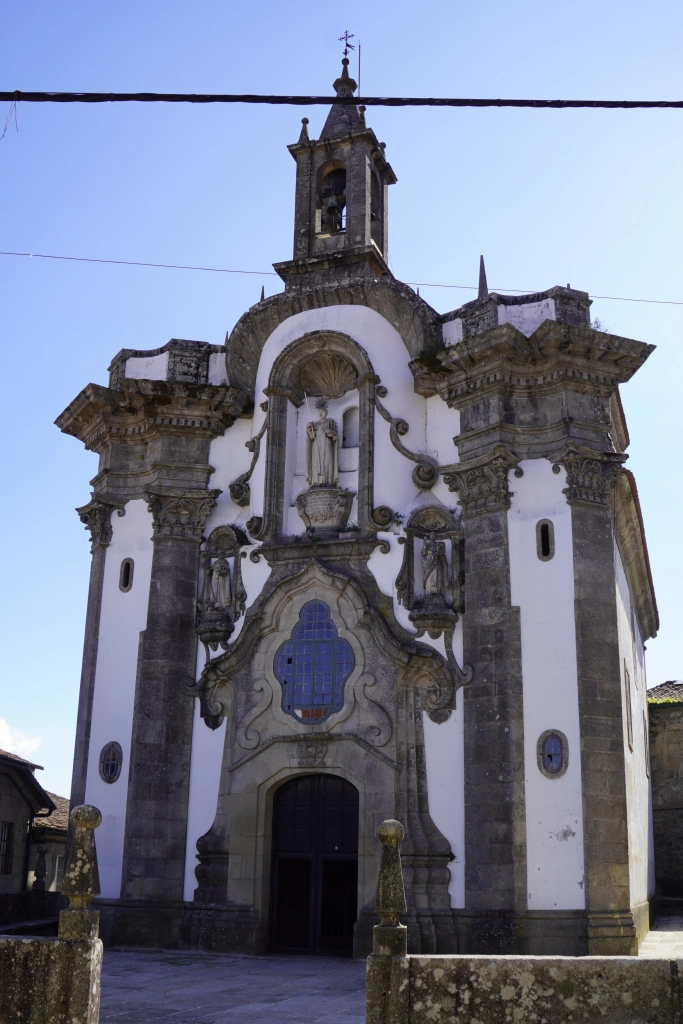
{"x":333,"y":203}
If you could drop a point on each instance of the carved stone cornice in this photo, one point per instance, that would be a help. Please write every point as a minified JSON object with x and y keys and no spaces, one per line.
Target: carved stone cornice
{"x":96,"y":516}
{"x":554,"y":357}
{"x":590,"y":474}
{"x":482,"y":484}
{"x":180,"y":515}
{"x":141,"y":409}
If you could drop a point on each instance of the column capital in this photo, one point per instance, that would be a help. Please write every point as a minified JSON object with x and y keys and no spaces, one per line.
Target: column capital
{"x":590,"y":474}
{"x":482,"y":483}
{"x":180,"y":515}
{"x":96,"y":516}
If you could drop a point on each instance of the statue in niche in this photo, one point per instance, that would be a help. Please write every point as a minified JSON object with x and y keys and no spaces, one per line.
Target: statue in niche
{"x":434,"y":567}
{"x":221,"y":589}
{"x":322,"y":469}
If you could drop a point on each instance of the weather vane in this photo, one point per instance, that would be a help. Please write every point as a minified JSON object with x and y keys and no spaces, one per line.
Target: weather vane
{"x":345,"y":40}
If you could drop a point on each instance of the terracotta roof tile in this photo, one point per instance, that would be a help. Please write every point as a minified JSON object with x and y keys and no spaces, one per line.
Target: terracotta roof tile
{"x":59,"y":819}
{"x":20,"y":760}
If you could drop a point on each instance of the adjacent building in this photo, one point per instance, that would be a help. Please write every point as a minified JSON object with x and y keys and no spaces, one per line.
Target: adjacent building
{"x":368,"y":561}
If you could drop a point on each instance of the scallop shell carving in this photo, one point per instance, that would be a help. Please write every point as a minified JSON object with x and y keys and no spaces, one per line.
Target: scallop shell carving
{"x":328,"y":376}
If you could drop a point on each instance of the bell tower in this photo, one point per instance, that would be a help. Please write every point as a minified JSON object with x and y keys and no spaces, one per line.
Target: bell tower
{"x":342,"y":180}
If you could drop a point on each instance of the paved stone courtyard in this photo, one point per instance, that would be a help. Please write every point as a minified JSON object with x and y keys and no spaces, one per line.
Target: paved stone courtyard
{"x":141,"y":986}
{"x":145,"y":986}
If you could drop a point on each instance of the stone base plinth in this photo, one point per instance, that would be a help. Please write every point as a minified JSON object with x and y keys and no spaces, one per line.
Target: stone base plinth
{"x":325,"y":509}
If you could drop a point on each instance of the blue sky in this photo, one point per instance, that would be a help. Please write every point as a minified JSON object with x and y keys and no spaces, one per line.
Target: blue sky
{"x":591,"y":198}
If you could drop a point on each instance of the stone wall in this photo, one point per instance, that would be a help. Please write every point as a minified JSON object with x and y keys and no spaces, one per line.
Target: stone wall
{"x":501,"y":989}
{"x":666,"y":767}
{"x":49,"y":980}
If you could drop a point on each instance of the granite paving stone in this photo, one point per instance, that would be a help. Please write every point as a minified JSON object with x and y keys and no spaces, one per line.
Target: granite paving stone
{"x":149,"y":986}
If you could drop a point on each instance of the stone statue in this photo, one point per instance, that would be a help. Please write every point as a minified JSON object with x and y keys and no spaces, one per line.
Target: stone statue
{"x":221,"y":590}
{"x":322,"y":468}
{"x":434,"y":567}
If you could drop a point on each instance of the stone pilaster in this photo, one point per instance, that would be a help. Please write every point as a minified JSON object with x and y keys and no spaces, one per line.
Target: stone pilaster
{"x":609,"y":922}
{"x":154,"y":850}
{"x":495,"y":836}
{"x":96,"y":516}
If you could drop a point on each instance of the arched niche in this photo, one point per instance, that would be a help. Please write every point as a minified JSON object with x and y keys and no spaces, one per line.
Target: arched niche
{"x":319,"y":364}
{"x":331,"y":198}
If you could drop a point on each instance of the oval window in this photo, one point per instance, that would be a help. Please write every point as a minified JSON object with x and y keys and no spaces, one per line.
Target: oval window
{"x":545,"y":539}
{"x":126,"y":575}
{"x":111,"y":759}
{"x":553,"y":754}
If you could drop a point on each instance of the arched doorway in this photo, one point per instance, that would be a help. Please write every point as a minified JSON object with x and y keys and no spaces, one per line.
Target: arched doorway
{"x":315,"y":865}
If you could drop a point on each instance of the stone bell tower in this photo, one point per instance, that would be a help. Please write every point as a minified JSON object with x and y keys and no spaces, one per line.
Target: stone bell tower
{"x":342,"y":181}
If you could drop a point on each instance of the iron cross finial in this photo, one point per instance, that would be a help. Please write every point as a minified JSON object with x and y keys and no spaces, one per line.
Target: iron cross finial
{"x":345,"y":40}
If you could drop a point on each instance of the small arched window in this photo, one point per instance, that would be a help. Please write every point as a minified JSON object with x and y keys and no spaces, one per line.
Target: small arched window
{"x":350,"y":428}
{"x":552,"y":753}
{"x":126,"y":575}
{"x":545,"y":539}
{"x":111,"y":759}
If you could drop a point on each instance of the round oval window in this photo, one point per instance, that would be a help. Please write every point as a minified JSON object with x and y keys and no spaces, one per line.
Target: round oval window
{"x":111,"y":759}
{"x":553,"y":754}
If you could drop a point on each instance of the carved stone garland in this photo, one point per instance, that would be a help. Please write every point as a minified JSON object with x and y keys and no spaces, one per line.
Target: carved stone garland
{"x":240,"y":491}
{"x":96,"y":517}
{"x":223,"y":597}
{"x":482,"y":484}
{"x":435,"y":606}
{"x":590,"y":474}
{"x":426,"y":471}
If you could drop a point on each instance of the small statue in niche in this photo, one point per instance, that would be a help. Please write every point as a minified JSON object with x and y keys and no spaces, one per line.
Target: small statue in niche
{"x":322,"y":469}
{"x":221,"y":589}
{"x":434,"y":567}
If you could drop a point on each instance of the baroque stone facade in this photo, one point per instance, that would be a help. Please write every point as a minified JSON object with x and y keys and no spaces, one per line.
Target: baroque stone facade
{"x":368,"y":562}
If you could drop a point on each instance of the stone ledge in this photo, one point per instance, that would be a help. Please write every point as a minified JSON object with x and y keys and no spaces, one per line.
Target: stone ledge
{"x":49,"y":980}
{"x":504,"y":989}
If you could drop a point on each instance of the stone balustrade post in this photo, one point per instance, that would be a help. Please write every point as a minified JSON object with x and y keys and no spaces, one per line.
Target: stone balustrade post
{"x":81,"y":877}
{"x":387,"y":989}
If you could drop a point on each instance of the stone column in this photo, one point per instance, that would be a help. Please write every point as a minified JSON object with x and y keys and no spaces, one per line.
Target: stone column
{"x":610,"y":925}
{"x":96,"y":516}
{"x":495,"y":826}
{"x":156,"y":821}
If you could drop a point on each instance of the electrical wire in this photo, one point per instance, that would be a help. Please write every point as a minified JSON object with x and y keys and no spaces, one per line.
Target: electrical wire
{"x":271,"y":273}
{"x":18,"y":96}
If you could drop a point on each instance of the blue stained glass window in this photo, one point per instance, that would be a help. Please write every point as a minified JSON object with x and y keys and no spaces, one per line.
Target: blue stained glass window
{"x":553,"y":754}
{"x":313,"y":666}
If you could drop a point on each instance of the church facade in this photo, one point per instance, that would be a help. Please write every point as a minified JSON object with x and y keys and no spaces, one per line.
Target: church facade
{"x":365,"y":561}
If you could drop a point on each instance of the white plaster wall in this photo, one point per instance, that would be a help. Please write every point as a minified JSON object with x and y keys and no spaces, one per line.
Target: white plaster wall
{"x":638,"y":792}
{"x":218,"y":373}
{"x":230,"y":458}
{"x":544,"y":592}
{"x":123,"y":617}
{"x":452,"y":331}
{"x":445,"y":758}
{"x":527,"y":317}
{"x":205,"y":774}
{"x":147,"y":367}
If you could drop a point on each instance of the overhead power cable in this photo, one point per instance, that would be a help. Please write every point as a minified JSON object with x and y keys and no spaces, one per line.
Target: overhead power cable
{"x":271,"y":273}
{"x":19,"y":96}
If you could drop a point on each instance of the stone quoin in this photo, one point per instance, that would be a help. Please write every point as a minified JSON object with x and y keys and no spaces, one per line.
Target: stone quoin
{"x":363,"y":562}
